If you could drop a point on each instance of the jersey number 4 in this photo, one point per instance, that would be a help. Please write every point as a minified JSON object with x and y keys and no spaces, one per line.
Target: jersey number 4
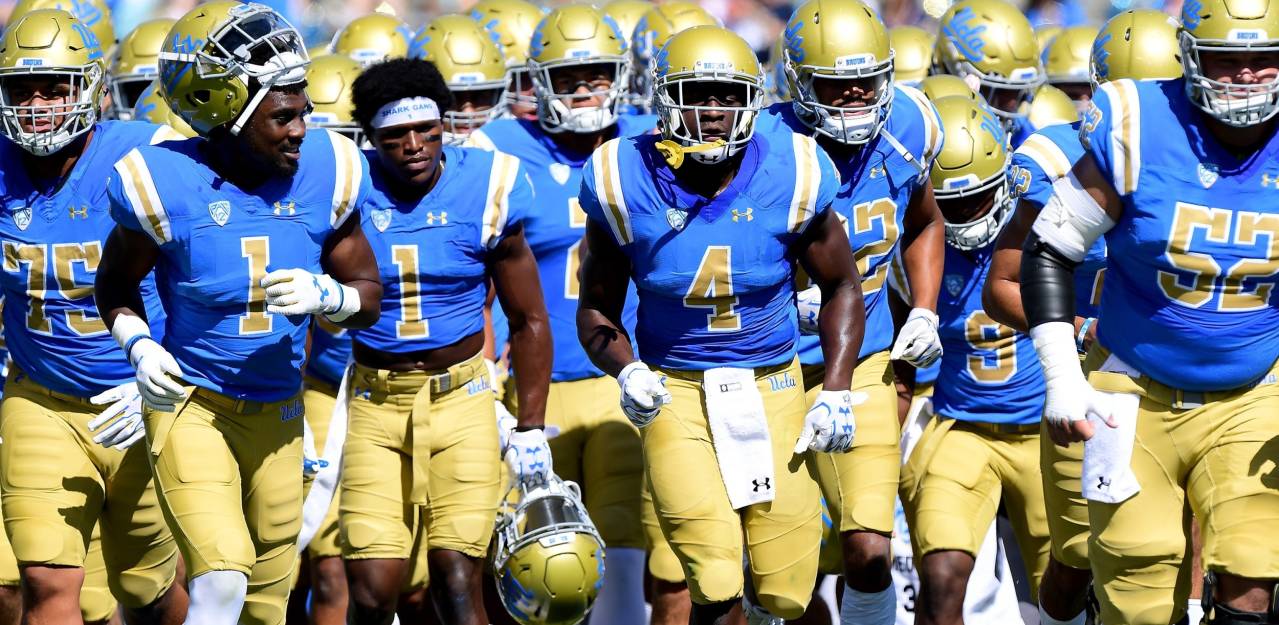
{"x":63,"y":258}
{"x":712,"y":288}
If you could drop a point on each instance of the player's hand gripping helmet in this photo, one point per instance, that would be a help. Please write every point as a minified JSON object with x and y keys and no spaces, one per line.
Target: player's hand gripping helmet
{"x":94,"y":14}
{"x":372,"y":38}
{"x":1229,"y":27}
{"x":135,"y":65}
{"x":514,"y":22}
{"x":1066,"y":61}
{"x":912,"y":53}
{"x":471,"y":62}
{"x":328,"y":84}
{"x":973,"y":161}
{"x":547,"y":557}
{"x":49,"y":45}
{"x":840,"y":40}
{"x":153,"y":108}
{"x":991,"y":41}
{"x":653,"y":30}
{"x":1139,"y":44}
{"x":570,"y":37}
{"x":705,"y":54}
{"x":223,"y":57}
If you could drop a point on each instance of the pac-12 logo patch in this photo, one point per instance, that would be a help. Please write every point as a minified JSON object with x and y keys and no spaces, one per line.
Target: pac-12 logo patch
{"x":220,"y":211}
{"x":1208,"y":173}
{"x":954,"y":284}
{"x":381,"y":218}
{"x":22,"y":217}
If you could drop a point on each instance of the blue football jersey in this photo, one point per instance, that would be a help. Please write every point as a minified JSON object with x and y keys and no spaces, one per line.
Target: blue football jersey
{"x":53,"y":237}
{"x":876,"y":186}
{"x":1047,"y":155}
{"x":1021,"y":130}
{"x":330,"y":351}
{"x":715,"y":277}
{"x":988,"y":372}
{"x":554,"y":225}
{"x":432,"y":251}
{"x":1189,"y":292}
{"x":216,"y":243}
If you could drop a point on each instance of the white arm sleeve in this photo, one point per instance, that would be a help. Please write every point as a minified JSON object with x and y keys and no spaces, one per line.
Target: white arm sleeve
{"x":1071,"y":220}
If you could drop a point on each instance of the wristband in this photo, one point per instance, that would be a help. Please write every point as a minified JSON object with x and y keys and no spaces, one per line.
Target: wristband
{"x":529,"y":428}
{"x":1083,"y":333}
{"x":128,"y":346}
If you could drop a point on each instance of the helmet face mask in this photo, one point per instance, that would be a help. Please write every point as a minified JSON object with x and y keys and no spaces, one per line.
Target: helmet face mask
{"x":519,"y":99}
{"x":1238,"y":105}
{"x":1214,"y":29}
{"x":67,"y":68}
{"x":971,"y":172}
{"x":559,"y":109}
{"x":682,"y":120}
{"x":848,"y":124}
{"x":485,"y":103}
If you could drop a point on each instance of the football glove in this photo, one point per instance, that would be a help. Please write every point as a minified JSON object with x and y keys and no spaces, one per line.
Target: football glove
{"x":829,"y":425}
{"x":643,"y":393}
{"x":299,"y":292}
{"x":122,"y":418}
{"x":158,"y":375}
{"x":809,"y":304}
{"x":918,"y":343}
{"x":528,"y":455}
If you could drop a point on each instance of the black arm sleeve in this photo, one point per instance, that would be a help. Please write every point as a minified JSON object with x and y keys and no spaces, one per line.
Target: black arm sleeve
{"x":1047,"y":283}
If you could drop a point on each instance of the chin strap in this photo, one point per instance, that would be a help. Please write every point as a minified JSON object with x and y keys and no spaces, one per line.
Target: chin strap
{"x":674,"y":152}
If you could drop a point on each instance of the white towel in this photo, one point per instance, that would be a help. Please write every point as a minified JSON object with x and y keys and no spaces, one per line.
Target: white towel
{"x":1108,"y":475}
{"x":317,"y":502}
{"x":921,"y":411}
{"x":739,"y":433}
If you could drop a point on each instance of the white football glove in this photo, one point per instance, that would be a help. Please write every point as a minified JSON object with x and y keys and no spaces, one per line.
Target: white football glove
{"x":506,"y":423}
{"x":529,"y":457}
{"x":158,"y":375}
{"x":918,"y":343}
{"x":809,"y":304}
{"x":643,"y":393}
{"x":122,"y":418}
{"x":1070,"y":398}
{"x":299,"y":292}
{"x":829,"y":425}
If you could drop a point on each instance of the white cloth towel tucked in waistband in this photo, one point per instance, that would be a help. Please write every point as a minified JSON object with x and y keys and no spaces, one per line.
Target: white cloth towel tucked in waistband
{"x":739,"y":433}
{"x":317,"y":502}
{"x":1108,"y":476}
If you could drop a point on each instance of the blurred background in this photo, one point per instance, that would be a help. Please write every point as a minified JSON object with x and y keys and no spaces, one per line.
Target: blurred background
{"x":758,"y":21}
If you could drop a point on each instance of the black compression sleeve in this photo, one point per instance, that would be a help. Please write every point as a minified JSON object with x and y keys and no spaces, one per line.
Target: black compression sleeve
{"x":1047,"y":283}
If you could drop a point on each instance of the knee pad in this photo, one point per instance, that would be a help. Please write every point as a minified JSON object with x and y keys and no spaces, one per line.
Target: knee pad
{"x":1221,"y":614}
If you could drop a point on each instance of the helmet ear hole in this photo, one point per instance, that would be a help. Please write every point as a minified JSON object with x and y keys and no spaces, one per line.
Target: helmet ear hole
{"x":200,"y":96}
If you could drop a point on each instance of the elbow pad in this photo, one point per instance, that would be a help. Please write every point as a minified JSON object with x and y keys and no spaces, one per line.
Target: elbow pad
{"x":1047,"y":283}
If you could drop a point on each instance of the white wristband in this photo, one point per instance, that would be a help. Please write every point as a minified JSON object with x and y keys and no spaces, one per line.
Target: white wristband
{"x":128,"y":330}
{"x":348,"y":304}
{"x":1055,"y":345}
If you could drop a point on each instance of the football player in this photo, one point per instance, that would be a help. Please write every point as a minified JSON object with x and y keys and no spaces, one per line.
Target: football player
{"x":882,"y":139}
{"x":1066,"y":62}
{"x":708,"y":219}
{"x":1180,"y":401}
{"x":65,"y":468}
{"x":133,"y":66}
{"x":579,"y":66}
{"x":442,"y":222}
{"x":472,"y":65}
{"x":1141,"y":45}
{"x":981,"y":446}
{"x":372,"y":38}
{"x":249,"y":230}
{"x":513,"y":22}
{"x":990,"y":43}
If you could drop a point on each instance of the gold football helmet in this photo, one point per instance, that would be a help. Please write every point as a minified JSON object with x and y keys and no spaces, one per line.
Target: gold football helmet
{"x":1066,"y":62}
{"x":776,"y":82}
{"x":627,"y":14}
{"x":1229,"y":27}
{"x":471,"y":62}
{"x":1140,"y":44}
{"x":328,"y":84}
{"x":372,"y":38}
{"x":912,"y":53}
{"x":52,"y":45}
{"x":1051,"y":106}
{"x":222,"y":58}
{"x":152,"y":107}
{"x":1044,"y":35}
{"x":548,"y":557}
{"x":705,"y":54}
{"x":572,"y":36}
{"x":993,"y":41}
{"x":514,"y":22}
{"x":840,"y":40}
{"x":135,"y":65}
{"x":653,"y":30}
{"x":940,"y":86}
{"x":972,"y":165}
{"x":93,"y":14}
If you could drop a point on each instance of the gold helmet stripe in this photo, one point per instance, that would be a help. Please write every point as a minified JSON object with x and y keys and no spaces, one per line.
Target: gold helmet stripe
{"x":608,"y":182}
{"x":140,"y":189}
{"x":501,"y":181}
{"x":808,"y":175}
{"x":1046,"y":154}
{"x":349,"y":174}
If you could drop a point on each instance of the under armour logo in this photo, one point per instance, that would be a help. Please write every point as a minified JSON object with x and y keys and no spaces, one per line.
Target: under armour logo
{"x":766,"y":484}
{"x":876,"y":172}
{"x":748,"y":215}
{"x":311,"y":466}
{"x":443,"y":218}
{"x":1103,"y":483}
{"x":291,"y":207}
{"x":324,"y":292}
{"x":1269,"y":181}
{"x":362,"y":393}
{"x":81,"y":212}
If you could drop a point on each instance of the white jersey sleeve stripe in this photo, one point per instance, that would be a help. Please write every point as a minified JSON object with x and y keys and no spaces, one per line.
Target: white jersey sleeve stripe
{"x":608,"y":181}
{"x":140,"y":189}
{"x":1047,"y":155}
{"x":349,"y":175}
{"x":807,"y":178}
{"x":498,"y":207}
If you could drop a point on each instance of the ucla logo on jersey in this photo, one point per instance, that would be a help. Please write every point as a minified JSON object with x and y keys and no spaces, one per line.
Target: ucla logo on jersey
{"x":560,"y":172}
{"x":291,"y":410}
{"x":220,"y":211}
{"x":22,"y":217}
{"x":676,"y":218}
{"x":381,"y":218}
{"x":965,"y":37}
{"x":781,"y":381}
{"x":954,"y":284}
{"x":1208,"y":174}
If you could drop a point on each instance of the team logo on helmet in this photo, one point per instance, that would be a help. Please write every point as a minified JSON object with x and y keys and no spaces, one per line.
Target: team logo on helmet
{"x":1190,"y":14}
{"x":795,"y":42}
{"x":964,"y":36}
